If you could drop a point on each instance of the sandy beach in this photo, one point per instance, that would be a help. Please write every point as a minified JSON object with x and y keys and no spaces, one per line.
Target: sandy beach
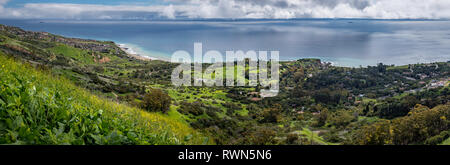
{"x":134,"y":54}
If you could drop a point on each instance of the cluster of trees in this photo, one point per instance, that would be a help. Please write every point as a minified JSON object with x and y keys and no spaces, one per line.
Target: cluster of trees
{"x":396,"y":107}
{"x":155,"y":73}
{"x":327,"y":96}
{"x":342,"y":118}
{"x":419,"y":125}
{"x":392,"y":107}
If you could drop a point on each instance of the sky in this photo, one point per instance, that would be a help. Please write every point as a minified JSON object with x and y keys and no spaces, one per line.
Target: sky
{"x":230,"y":9}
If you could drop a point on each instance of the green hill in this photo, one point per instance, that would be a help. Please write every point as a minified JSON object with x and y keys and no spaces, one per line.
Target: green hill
{"x":38,"y":108}
{"x":66,"y":101}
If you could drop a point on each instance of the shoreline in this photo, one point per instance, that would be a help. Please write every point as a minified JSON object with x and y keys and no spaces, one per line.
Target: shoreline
{"x":132,"y":53}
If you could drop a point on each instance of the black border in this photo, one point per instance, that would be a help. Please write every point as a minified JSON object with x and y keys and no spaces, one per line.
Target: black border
{"x":381,"y":154}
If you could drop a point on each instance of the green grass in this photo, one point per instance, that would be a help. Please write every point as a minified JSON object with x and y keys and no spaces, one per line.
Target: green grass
{"x":368,"y":119}
{"x":446,"y":142}
{"x":38,"y":108}
{"x":74,"y":53}
{"x":243,"y":111}
{"x":397,"y":67}
{"x":314,"y":136}
{"x":175,"y":115}
{"x":368,"y":100}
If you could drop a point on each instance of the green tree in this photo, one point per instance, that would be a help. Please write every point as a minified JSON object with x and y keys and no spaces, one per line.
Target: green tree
{"x":322,"y":116}
{"x":272,"y":115}
{"x":342,"y":118}
{"x":156,"y":101}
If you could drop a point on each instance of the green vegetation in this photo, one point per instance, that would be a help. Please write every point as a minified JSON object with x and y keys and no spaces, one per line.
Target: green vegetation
{"x":156,"y":100}
{"x":421,"y":124}
{"x":446,"y":142}
{"x":73,"y":53}
{"x":92,"y":92}
{"x":36,"y":108}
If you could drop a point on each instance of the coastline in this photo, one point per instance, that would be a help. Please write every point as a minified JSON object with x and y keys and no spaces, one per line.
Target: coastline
{"x":132,"y":53}
{"x":346,"y":62}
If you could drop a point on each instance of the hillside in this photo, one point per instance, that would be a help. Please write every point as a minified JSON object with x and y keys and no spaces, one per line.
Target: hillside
{"x":318,"y":103}
{"x":38,"y":108}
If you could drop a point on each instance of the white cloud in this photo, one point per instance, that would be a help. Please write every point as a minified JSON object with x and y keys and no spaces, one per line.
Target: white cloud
{"x":169,"y":12}
{"x":2,"y":3}
{"x":384,"y":9}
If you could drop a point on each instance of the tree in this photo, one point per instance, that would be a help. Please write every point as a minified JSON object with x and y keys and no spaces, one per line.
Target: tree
{"x":379,"y":133}
{"x":291,"y":138}
{"x":322,"y":118}
{"x":261,"y":135}
{"x":156,"y":101}
{"x":299,"y":75}
{"x":381,"y":68}
{"x":272,"y":115}
{"x":342,"y":118}
{"x":421,"y":123}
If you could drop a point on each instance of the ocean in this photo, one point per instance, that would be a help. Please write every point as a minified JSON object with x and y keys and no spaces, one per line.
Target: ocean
{"x":344,"y":42}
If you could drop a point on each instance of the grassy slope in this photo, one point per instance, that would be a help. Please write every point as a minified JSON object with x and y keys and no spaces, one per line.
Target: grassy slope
{"x":446,"y":142}
{"x":37,"y":108}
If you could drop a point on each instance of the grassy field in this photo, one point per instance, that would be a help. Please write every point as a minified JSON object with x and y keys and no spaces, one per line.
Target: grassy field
{"x":397,"y":67}
{"x":74,"y":53}
{"x":38,"y":108}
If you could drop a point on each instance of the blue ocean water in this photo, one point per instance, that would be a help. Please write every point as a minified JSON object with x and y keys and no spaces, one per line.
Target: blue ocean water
{"x":344,"y":42}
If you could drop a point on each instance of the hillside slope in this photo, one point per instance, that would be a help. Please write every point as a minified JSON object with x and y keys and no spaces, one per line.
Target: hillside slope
{"x":317,"y":104}
{"x":38,"y":108}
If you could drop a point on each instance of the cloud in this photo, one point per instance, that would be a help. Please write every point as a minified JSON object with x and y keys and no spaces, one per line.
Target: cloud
{"x":380,"y":9}
{"x":2,"y":2}
{"x":169,"y":12}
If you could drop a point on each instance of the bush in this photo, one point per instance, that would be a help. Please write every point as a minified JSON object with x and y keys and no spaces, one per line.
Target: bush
{"x":322,"y":117}
{"x":291,"y":138}
{"x":195,"y":108}
{"x":260,"y":135}
{"x":342,"y":118}
{"x":271,"y":115}
{"x":156,"y":101}
{"x":435,"y":140}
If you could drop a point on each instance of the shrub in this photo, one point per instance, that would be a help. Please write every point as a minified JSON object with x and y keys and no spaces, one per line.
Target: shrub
{"x":342,"y":118}
{"x":195,"y":108}
{"x":272,"y":115}
{"x":156,"y":101}
{"x":291,"y":138}
{"x":261,"y":136}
